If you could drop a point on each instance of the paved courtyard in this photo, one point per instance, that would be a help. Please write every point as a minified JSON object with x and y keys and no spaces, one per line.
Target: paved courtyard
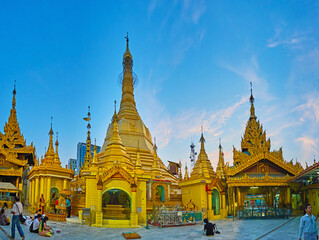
{"x":239,"y":229}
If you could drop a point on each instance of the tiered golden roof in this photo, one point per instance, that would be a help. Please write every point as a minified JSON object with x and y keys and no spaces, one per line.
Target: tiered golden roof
{"x":255,"y":147}
{"x":134,"y":135}
{"x":14,"y":152}
{"x":203,"y":166}
{"x":220,"y":170}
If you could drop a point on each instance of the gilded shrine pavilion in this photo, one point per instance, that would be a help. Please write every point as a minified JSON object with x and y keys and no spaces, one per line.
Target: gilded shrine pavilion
{"x":48,"y":179}
{"x":15,"y":158}
{"x":127,"y":178}
{"x":258,"y":177}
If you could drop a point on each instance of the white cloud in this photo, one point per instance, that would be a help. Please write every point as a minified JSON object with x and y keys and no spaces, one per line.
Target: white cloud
{"x":249,"y":71}
{"x":185,"y":124}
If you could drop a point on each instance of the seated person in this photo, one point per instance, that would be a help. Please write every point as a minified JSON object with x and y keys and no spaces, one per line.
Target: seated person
{"x":3,"y":218}
{"x":34,"y":227}
{"x":44,"y":229}
{"x":37,"y":213}
{"x":208,"y":228}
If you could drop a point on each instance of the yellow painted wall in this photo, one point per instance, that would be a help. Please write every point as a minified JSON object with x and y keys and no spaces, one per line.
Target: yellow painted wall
{"x":313,"y":199}
{"x":197,"y":193}
{"x":91,"y":193}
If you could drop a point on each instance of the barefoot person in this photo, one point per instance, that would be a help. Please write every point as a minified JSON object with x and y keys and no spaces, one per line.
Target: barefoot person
{"x":308,"y":225}
{"x":16,"y":211}
{"x":44,"y":229}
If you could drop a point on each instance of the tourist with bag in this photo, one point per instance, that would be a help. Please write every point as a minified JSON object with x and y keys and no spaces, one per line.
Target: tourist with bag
{"x":16,"y":218}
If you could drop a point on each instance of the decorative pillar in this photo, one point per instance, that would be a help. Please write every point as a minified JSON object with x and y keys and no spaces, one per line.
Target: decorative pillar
{"x":64,"y":184}
{"x":41,"y":187}
{"x":210,"y":204}
{"x":288,"y":196}
{"x":48,"y":191}
{"x":223,"y":211}
{"x":234,"y":201}
{"x":99,"y":212}
{"x":134,"y":217}
{"x":36,"y":195}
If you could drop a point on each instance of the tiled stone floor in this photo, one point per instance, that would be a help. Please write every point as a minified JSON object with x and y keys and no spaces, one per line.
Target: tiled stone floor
{"x":230,"y":230}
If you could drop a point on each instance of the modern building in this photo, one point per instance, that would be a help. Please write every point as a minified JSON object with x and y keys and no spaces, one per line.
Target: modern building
{"x":81,"y":151}
{"x":72,"y":164}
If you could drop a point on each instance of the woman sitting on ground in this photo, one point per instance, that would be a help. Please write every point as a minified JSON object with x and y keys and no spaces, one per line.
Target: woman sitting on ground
{"x":4,"y":218}
{"x":44,"y":229}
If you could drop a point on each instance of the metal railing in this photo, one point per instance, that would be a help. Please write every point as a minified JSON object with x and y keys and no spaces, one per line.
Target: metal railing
{"x":263,"y":213}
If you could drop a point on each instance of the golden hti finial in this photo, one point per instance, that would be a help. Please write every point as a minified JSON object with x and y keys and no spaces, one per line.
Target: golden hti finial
{"x":252,"y":108}
{"x":88,"y":155}
{"x":50,"y":151}
{"x":95,"y":152}
{"x":114,"y":118}
{"x":180,"y":177}
{"x":186,"y":177}
{"x":14,"y":92}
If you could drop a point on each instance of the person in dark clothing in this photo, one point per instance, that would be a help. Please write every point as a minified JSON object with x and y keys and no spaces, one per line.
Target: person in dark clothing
{"x":208,"y":228}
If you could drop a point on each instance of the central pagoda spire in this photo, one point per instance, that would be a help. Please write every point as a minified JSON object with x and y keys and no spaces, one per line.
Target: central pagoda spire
{"x":128,"y":105}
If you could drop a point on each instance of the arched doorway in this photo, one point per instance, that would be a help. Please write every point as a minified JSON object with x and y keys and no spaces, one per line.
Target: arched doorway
{"x":215,"y":202}
{"x":116,"y":204}
{"x":54,"y":194}
{"x":160,"y":193}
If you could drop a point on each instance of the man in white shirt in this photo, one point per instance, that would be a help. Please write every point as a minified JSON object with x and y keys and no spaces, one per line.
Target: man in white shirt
{"x":35,"y":225}
{"x":16,"y":211}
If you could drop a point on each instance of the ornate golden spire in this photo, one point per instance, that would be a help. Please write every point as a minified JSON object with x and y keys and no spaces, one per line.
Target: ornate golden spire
{"x":128,"y":105}
{"x":14,"y":95}
{"x":155,"y":161}
{"x":50,"y":151}
{"x":11,"y":128}
{"x":88,"y":154}
{"x":186,"y":174}
{"x":203,"y":165}
{"x":95,"y":153}
{"x":252,"y":108}
{"x":254,"y":140}
{"x":57,"y":158}
{"x":220,"y":170}
{"x":180,"y":176}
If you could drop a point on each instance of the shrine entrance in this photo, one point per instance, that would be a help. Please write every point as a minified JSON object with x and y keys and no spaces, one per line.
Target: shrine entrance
{"x":116,"y":205}
{"x":215,"y":202}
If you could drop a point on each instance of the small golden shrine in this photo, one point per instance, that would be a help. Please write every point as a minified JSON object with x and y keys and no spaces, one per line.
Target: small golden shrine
{"x":49,"y":179}
{"x":204,"y":189}
{"x":126,"y":178}
{"x":15,"y":155}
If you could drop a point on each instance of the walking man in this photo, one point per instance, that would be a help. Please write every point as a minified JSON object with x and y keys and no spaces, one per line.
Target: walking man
{"x":16,"y":211}
{"x":308,"y":225}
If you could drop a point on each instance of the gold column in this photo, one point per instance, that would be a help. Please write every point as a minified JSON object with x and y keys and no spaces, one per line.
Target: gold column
{"x":64,"y":184}
{"x":210,"y":204}
{"x":288,"y":196}
{"x":41,"y":186}
{"x":238,"y":197}
{"x":36,"y":196}
{"x":48,"y":191}
{"x":134,"y":218}
{"x":99,"y":213}
{"x":234,"y":200}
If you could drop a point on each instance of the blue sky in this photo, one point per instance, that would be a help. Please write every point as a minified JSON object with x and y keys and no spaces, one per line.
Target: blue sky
{"x":194,"y":60}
